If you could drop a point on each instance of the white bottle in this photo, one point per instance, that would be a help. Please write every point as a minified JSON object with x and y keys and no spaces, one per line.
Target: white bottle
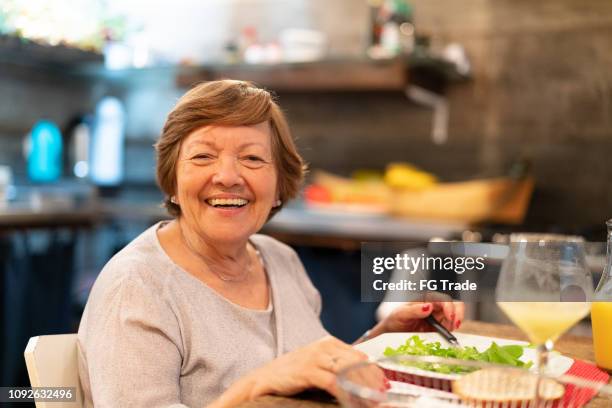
{"x":390,"y":37}
{"x":108,"y":142}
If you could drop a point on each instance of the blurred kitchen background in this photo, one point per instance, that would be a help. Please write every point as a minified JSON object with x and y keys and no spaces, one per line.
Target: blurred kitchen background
{"x":420,"y":119}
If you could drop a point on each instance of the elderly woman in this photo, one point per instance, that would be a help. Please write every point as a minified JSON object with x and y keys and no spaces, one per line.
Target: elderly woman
{"x":201,"y":310}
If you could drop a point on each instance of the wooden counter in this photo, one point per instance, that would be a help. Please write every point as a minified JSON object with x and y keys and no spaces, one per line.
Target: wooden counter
{"x":573,"y":346}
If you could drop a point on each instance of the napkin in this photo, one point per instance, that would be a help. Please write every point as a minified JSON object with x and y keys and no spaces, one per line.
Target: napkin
{"x":576,"y":396}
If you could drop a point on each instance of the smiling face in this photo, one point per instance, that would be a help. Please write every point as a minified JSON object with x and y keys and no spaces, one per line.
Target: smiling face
{"x":226,"y":181}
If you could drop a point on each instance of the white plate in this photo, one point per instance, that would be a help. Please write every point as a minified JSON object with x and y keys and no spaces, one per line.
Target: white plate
{"x":374,"y":348}
{"x":398,"y":387}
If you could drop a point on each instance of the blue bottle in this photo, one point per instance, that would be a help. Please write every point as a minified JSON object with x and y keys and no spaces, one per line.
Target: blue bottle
{"x":45,"y":156}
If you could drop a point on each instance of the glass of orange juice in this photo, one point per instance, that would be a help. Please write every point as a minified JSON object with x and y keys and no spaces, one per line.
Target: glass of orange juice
{"x":601,"y":318}
{"x":601,"y":312}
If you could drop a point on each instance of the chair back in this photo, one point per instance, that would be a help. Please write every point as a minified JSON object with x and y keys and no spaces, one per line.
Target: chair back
{"x":52,"y":362}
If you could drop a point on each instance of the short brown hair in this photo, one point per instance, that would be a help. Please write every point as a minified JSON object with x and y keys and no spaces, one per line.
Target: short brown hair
{"x":227,"y":103}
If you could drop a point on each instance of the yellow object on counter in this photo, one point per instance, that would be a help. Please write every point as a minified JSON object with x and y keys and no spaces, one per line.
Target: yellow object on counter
{"x":367,"y":175}
{"x":500,"y":200}
{"x":601,"y":318}
{"x":370,"y":193}
{"x":406,"y":176}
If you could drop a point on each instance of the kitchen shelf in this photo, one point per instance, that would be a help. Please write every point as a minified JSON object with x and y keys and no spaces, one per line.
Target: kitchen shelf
{"x":328,"y":75}
{"x":357,"y":74}
{"x":21,"y":51}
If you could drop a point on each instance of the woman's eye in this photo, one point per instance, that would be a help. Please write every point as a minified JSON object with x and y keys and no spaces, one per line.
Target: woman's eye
{"x":253,"y":161}
{"x":254,"y":158}
{"x":203,"y":156}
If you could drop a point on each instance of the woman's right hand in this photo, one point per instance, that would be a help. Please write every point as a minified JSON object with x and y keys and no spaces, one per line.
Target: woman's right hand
{"x":314,"y":365}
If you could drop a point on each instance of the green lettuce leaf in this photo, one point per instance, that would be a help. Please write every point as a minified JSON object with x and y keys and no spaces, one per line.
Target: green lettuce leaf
{"x":415,"y":346}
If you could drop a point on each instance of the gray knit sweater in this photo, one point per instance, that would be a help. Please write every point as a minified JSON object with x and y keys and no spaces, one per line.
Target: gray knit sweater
{"x":152,"y":335}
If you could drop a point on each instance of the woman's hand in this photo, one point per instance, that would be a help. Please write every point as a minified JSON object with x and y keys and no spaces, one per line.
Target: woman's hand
{"x":314,"y":365}
{"x":311,"y":366}
{"x":409,"y":317}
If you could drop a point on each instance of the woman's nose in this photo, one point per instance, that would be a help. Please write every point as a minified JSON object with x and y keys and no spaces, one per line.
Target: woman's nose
{"x":227,"y":172}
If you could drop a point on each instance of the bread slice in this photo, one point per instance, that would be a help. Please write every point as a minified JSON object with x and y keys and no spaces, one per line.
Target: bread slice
{"x":505,"y":386}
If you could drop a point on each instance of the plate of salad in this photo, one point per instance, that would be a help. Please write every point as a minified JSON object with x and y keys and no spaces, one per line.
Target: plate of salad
{"x":473,"y":347}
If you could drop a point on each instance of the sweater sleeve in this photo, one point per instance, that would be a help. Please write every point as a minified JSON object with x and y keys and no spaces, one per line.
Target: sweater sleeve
{"x":131,"y":342}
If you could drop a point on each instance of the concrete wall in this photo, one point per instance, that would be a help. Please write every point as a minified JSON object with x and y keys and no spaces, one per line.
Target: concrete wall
{"x":543,"y":89}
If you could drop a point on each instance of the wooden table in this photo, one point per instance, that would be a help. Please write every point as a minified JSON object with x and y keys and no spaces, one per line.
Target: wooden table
{"x":572,"y":346}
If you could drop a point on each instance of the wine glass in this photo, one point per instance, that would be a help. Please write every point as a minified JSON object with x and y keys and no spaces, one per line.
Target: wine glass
{"x":545,"y":287}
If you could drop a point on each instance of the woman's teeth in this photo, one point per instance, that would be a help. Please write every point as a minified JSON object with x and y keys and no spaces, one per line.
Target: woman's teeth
{"x":227,"y":202}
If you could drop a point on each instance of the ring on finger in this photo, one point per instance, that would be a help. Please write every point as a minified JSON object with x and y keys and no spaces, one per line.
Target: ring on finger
{"x":333,"y":363}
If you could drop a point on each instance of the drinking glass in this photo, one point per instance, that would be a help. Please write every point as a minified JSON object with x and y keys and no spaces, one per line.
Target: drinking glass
{"x":545,"y":287}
